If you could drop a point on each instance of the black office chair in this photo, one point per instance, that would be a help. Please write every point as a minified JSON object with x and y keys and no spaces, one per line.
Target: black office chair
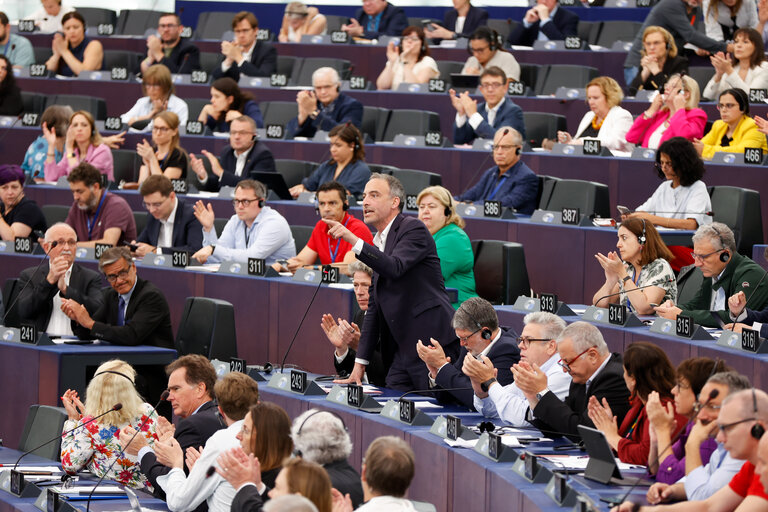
{"x":213,"y":24}
{"x":43,"y":423}
{"x":95,"y":16}
{"x":126,"y":165}
{"x":285,"y":65}
{"x":588,"y":31}
{"x":219,"y":223}
{"x":374,"y":122}
{"x":689,"y":281}
{"x":140,"y":218}
{"x":702,"y":75}
{"x":543,"y":125}
{"x":54,"y":213}
{"x":122,"y":59}
{"x":410,"y":122}
{"x":294,"y":171}
{"x":209,"y":61}
{"x":302,"y":71}
{"x":415,"y":181}
{"x":42,"y":54}
{"x":33,"y":102}
{"x":529,"y":73}
{"x":564,"y":75}
{"x":382,"y":169}
{"x":739,"y":209}
{"x":280,"y":112}
{"x":96,"y":106}
{"x":195,"y":106}
{"x":207,"y":327}
{"x":10,"y":291}
{"x":589,"y":197}
{"x":546,"y":187}
{"x":617,"y":30}
{"x":449,"y":67}
{"x":301,"y":235}
{"x":500,"y":272}
{"x":136,"y":22}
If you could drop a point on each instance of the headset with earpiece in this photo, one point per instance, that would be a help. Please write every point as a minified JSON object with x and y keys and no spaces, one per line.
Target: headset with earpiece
{"x":642,"y":238}
{"x":449,"y":208}
{"x":518,"y":150}
{"x":757,"y":429}
{"x":116,"y":373}
{"x":486,"y":332}
{"x":493,"y":38}
{"x":725,"y":255}
{"x":297,"y":452}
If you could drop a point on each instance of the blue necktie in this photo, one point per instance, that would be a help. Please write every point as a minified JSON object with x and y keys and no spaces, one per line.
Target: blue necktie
{"x":120,"y":311}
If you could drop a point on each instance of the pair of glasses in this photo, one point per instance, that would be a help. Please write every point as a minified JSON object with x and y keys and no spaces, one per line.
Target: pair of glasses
{"x":120,"y":275}
{"x":728,"y":426}
{"x":160,"y":129}
{"x":702,"y":257}
{"x":525,"y":342}
{"x":243,"y":202}
{"x":490,"y":86}
{"x":465,"y":338}
{"x":566,"y":365}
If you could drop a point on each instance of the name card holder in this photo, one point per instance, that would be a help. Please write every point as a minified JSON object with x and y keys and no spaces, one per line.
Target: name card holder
{"x":602,"y":316}
{"x":350,"y":396}
{"x":450,"y":427}
{"x":489,"y":445}
{"x":665,"y":326}
{"x":533,"y":304}
{"x":559,"y":490}
{"x":392,"y":410}
{"x":282,"y":381}
{"x":240,"y":268}
{"x":736,"y":341}
{"x":528,"y":467}
{"x":556,"y":218}
{"x":13,"y":482}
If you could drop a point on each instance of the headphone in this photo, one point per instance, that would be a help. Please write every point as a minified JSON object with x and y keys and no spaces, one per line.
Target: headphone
{"x":741,"y":98}
{"x":447,"y":210}
{"x":642,"y":239}
{"x":357,"y":136}
{"x":486,"y":34}
{"x":518,"y":150}
{"x":485,"y":331}
{"x":261,"y":203}
{"x":297,"y":452}
{"x":344,"y":201}
{"x":757,"y":429}
{"x":116,"y":373}
{"x":725,"y":255}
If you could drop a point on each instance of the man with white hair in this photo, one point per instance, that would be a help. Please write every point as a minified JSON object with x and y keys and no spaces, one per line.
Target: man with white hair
{"x":324,"y":107}
{"x":321,"y":437}
{"x":595,"y":372}
{"x":59,"y":277}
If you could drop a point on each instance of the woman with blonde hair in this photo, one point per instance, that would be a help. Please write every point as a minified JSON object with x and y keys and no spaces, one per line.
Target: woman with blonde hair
{"x":166,"y":157}
{"x":605,"y":121}
{"x":300,"y":20}
{"x":157,"y":86}
{"x":96,"y":445}
{"x":83,"y":143}
{"x":673,"y":113}
{"x":437,"y":211}
{"x":658,"y":60}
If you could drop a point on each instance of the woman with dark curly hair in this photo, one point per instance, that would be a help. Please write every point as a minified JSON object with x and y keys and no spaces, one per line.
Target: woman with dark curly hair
{"x":682,"y":201}
{"x":228,"y":102}
{"x":647,"y":373}
{"x":10,"y":94}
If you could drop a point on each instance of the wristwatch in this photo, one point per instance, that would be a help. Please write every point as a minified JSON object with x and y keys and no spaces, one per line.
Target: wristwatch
{"x":626,"y":278}
{"x":314,"y":114}
{"x":540,"y":395}
{"x":487,"y":384}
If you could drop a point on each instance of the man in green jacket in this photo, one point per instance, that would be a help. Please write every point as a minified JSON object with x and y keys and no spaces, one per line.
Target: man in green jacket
{"x":726,"y":273}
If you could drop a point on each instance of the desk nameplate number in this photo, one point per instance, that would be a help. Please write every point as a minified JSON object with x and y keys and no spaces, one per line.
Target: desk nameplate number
{"x":180,"y":259}
{"x":99,"y":249}
{"x":330,"y":274}
{"x":354,"y":395}
{"x":749,"y":340}
{"x":298,"y":381}
{"x":492,"y":209}
{"x":494,"y":446}
{"x":570,"y":216}
{"x":684,"y":326}
{"x":28,"y":333}
{"x":453,"y":427}
{"x":407,"y":410}
{"x":617,"y":314}
{"x":22,"y":244}
{"x":548,"y":302}
{"x":753,"y":156}
{"x":257,"y":267}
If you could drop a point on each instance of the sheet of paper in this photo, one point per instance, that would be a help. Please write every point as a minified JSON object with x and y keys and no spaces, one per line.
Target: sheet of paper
{"x":53,"y":469}
{"x":85,"y":490}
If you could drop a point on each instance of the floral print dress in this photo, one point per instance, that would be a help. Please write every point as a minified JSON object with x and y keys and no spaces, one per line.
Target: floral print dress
{"x":96,"y":446}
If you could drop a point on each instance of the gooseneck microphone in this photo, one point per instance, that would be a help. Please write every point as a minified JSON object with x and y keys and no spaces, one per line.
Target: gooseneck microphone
{"x":163,"y":397}
{"x":298,"y":328}
{"x":746,"y":300}
{"x":653,"y":212}
{"x":18,"y":295}
{"x":114,"y":408}
{"x":669,"y":280}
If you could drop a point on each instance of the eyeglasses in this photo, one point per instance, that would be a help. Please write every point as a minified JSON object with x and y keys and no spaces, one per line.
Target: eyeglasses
{"x":152,"y":206}
{"x":712,"y":407}
{"x":416,"y":39}
{"x":728,"y":426}
{"x":503,"y":147}
{"x":524,"y":341}
{"x":491,"y":85}
{"x":243,"y":202}
{"x":702,"y":257}
{"x":465,"y":338}
{"x":120,"y":275}
{"x":479,"y":50}
{"x":69,"y":243}
{"x":567,"y":364}
{"x":726,"y":106}
{"x":167,"y":25}
{"x":161,"y":129}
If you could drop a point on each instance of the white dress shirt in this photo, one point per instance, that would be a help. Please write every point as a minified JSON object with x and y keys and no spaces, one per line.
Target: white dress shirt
{"x":387,"y":504}
{"x":59,"y":323}
{"x":246,"y":57}
{"x":240,"y":161}
{"x":476,"y":118}
{"x":165,"y":236}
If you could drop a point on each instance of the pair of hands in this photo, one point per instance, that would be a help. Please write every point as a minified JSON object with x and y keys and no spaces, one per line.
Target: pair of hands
{"x":210,"y":111}
{"x":612,"y":266}
{"x":650,"y":64}
{"x":307,"y":103}
{"x":199,"y":168}
{"x":50,"y":137}
{"x":722,"y":64}
{"x":342,"y":335}
{"x":464,"y":105}
{"x":76,"y":312}
{"x":353,"y":28}
{"x":538,"y":12}
{"x":57,"y":270}
{"x":59,"y":45}
{"x":204,"y":214}
{"x":231,"y":51}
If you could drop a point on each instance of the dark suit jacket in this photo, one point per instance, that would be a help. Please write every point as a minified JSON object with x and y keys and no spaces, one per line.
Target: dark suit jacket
{"x":393,"y":22}
{"x":509,"y":114}
{"x":517,"y":190}
{"x":503,"y":354}
{"x":247,"y":499}
{"x":187,"y":231}
{"x":184,"y":58}
{"x":346,"y":480}
{"x":343,"y":109}
{"x":36,"y":301}
{"x":407,"y":301}
{"x":263,"y":63}
{"x":376,"y":369}
{"x":191,"y":431}
{"x":476,"y":18}
{"x":260,"y":159}
{"x":562,"y":417}
{"x":147,"y":318}
{"x":564,"y":23}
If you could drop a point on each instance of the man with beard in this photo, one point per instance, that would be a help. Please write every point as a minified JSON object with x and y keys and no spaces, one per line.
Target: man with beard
{"x":177,"y":54}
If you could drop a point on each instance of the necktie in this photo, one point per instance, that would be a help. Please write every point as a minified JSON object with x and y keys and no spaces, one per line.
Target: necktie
{"x":120,"y":311}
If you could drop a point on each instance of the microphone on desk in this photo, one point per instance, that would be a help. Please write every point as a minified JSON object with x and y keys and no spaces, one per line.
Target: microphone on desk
{"x":114,"y":408}
{"x":8,"y":130}
{"x":746,"y":301}
{"x":18,"y":295}
{"x":712,"y":395}
{"x":669,"y":280}
{"x":298,"y":328}
{"x":163,"y":397}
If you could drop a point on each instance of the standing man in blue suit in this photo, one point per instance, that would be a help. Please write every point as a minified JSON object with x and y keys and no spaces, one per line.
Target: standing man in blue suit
{"x":545,"y":21}
{"x":324,"y":107}
{"x":510,"y":180}
{"x":407,"y":298}
{"x":376,"y":18}
{"x":475,"y":121}
{"x":171,"y":224}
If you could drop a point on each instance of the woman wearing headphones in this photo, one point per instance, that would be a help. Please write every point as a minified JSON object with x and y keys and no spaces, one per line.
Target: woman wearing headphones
{"x":659,"y":61}
{"x":157,"y":86}
{"x":745,"y":69}
{"x":409,"y":62}
{"x":643,"y":260}
{"x":345,"y":166}
{"x":457,"y":261}
{"x":485,"y":50}
{"x":735,"y":130}
{"x":682,"y":201}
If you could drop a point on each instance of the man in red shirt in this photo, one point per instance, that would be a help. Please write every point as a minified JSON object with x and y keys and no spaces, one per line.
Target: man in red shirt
{"x":741,"y":424}
{"x":331,"y":204}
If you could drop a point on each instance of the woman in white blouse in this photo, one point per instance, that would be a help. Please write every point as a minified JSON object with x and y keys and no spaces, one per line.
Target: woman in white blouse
{"x":48,"y":17}
{"x":606,"y":121}
{"x":722,"y":18}
{"x":409,"y":62}
{"x":157,"y":86}
{"x":682,"y":200}
{"x":746,"y":69}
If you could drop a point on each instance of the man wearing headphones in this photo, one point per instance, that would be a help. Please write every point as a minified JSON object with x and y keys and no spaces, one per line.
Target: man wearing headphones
{"x":331,"y":204}
{"x":740,"y":426}
{"x":478,"y":121}
{"x":324,"y":107}
{"x":244,"y":156}
{"x":477,"y":327}
{"x":254,"y":231}
{"x":485,"y":51}
{"x":726,"y":273}
{"x":510,"y":180}
{"x":545,"y":21}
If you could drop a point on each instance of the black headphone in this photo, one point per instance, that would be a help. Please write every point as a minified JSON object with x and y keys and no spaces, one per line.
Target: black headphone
{"x":116,"y":373}
{"x":486,"y":426}
{"x":297,"y":452}
{"x":447,"y":210}
{"x":261,"y":203}
{"x":344,"y":202}
{"x":642,"y":239}
{"x":518,"y":150}
{"x":486,"y":332}
{"x":741,"y":98}
{"x":487,"y":34}
{"x":725,"y":255}
{"x":757,"y":429}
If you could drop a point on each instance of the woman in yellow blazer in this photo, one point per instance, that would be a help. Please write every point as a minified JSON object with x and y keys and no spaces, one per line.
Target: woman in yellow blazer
{"x":735,"y":130}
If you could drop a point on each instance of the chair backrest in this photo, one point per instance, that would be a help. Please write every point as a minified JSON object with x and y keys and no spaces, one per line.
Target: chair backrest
{"x":136,"y":22}
{"x":121,"y":59}
{"x":207,"y":327}
{"x":374,"y":122}
{"x":689,"y":281}
{"x":500,"y":271}
{"x":33,"y":102}
{"x":502,"y":26}
{"x":301,"y":235}
{"x":588,"y":31}
{"x":126,"y":165}
{"x":43,"y":423}
{"x":702,"y":75}
{"x":96,"y":106}
{"x":280,"y":112}
{"x":448,"y":67}
{"x":95,"y":16}
{"x":54,"y":213}
{"x":617,"y":30}
{"x":140,"y":218}
{"x":588,"y":196}
{"x":335,"y":21}
{"x":529,"y":73}
{"x":195,"y":106}
{"x":285,"y":64}
{"x":739,"y":209}
{"x":541,"y":125}
{"x":410,"y":122}
{"x":415,"y":181}
{"x":564,"y":75}
{"x":42,"y":54}
{"x":213,"y":24}
{"x":219,"y":223}
{"x":294,"y":171}
{"x":209,"y":61}
{"x":303,"y":76}
{"x":382,"y":169}
{"x":546,"y":187}
{"x":10,"y":291}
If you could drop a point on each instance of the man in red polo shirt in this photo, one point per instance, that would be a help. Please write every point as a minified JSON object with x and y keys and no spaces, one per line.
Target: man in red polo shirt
{"x":331,"y":204}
